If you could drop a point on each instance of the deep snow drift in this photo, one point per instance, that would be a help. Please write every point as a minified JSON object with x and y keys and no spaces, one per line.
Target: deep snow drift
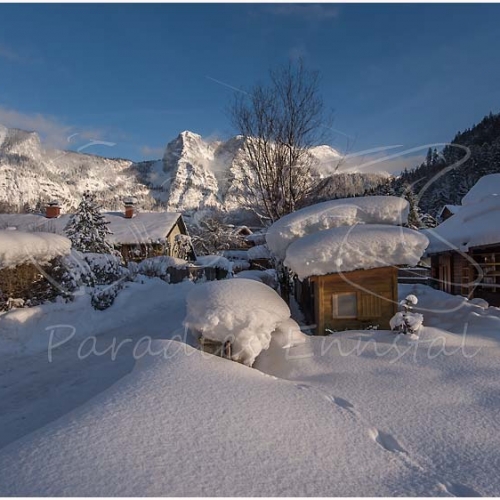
{"x":358,"y":413}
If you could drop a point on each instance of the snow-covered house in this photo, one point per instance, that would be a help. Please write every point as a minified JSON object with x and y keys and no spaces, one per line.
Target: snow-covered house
{"x":465,"y":248}
{"x":345,"y":255}
{"x":136,"y":234}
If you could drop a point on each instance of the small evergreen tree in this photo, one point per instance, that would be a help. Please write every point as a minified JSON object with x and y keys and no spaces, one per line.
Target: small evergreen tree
{"x":87,"y":228}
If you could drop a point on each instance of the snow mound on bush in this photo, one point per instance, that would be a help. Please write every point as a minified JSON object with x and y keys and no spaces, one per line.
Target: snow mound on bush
{"x":335,"y":213}
{"x":243,"y":311}
{"x":17,"y":248}
{"x":159,"y":266}
{"x":216,"y":261}
{"x":344,"y":249}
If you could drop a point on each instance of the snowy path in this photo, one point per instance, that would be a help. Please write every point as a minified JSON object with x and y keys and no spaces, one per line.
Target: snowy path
{"x":34,"y":392}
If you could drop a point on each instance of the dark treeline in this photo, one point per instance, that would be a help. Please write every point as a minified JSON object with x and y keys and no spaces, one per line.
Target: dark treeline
{"x":483,"y":142}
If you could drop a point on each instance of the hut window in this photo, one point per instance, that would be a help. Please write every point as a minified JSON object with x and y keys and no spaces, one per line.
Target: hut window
{"x":344,"y":305}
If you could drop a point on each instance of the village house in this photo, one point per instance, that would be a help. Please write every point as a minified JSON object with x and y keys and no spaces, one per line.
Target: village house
{"x":135,"y":234}
{"x":465,"y":249}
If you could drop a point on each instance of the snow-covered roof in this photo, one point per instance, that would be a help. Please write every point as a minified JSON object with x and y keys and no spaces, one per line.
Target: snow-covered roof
{"x":485,"y":187}
{"x":364,"y":246}
{"x":335,"y":213}
{"x":18,"y":247}
{"x":144,"y":227}
{"x":475,"y":224}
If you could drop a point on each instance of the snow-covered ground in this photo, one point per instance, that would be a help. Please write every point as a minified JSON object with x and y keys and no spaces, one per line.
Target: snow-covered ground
{"x":352,"y":414}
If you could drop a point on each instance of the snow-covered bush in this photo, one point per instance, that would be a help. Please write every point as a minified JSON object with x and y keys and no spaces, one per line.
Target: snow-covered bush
{"x":288,"y":334}
{"x":480,"y":302}
{"x":216,"y":261}
{"x":241,"y":311}
{"x":94,"y":269}
{"x":406,"y":321}
{"x":159,"y":267}
{"x":103,"y":298}
{"x":103,"y":273}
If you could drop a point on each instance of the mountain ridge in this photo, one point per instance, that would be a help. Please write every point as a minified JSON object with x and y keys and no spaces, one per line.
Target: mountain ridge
{"x":193,"y":174}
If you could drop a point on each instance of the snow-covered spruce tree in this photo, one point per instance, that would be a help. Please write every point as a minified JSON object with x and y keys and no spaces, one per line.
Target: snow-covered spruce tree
{"x":88,"y":229}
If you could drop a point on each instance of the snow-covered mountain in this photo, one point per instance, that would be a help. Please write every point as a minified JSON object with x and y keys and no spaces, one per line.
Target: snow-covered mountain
{"x":31,"y":173}
{"x":194,"y":174}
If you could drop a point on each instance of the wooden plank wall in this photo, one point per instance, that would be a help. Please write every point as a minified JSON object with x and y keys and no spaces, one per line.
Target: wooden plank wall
{"x":377,"y":298}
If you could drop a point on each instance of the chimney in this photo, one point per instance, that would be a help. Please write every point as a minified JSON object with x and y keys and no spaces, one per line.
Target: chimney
{"x":53,"y":209}
{"x":129,"y":207}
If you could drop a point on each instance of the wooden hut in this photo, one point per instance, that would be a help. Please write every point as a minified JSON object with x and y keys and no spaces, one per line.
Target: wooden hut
{"x":351,"y":300}
{"x":347,"y":277}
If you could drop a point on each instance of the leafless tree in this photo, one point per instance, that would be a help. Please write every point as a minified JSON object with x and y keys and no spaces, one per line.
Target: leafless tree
{"x":211,"y":234}
{"x":280,"y":121}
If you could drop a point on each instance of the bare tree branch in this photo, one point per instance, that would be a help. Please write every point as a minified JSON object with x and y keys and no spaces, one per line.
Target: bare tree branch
{"x":280,"y":122}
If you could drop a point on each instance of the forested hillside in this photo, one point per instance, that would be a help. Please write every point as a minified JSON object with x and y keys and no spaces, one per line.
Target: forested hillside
{"x":459,"y":171}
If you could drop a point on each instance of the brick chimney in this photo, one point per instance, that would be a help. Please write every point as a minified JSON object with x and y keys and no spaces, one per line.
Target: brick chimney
{"x":53,"y":209}
{"x":130,"y":204}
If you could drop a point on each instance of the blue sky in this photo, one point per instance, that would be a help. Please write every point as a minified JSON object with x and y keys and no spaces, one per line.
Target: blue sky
{"x":137,"y":75}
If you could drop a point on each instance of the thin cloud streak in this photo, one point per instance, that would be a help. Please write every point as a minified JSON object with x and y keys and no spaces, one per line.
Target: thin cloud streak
{"x":226,"y":85}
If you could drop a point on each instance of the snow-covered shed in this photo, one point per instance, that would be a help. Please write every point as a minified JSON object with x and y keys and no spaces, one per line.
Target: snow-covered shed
{"x":345,"y":255}
{"x":25,"y":259}
{"x":136,"y":234}
{"x":348,"y":276}
{"x":465,"y":248}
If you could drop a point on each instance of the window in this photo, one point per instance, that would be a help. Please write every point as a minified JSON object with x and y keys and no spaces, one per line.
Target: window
{"x":344,"y":305}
